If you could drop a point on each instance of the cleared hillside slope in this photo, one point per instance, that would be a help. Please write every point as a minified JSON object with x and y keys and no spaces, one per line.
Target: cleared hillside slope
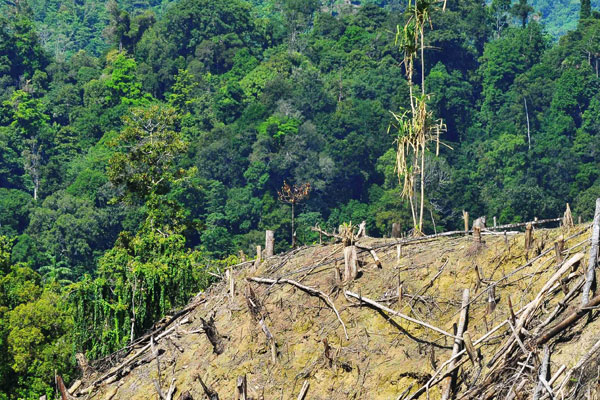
{"x":385,"y":356}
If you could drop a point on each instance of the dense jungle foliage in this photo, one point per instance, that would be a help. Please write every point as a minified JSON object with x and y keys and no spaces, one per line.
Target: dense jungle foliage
{"x":143,"y":144}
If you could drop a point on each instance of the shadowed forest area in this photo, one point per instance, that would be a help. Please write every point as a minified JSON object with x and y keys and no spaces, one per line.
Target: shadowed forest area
{"x":145,"y":146}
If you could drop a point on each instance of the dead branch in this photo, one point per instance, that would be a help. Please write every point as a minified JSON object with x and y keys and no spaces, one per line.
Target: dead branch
{"x":462,"y":323}
{"x":304,"y":390}
{"x":381,"y":307}
{"x":306,"y":289}
{"x":211,"y":394}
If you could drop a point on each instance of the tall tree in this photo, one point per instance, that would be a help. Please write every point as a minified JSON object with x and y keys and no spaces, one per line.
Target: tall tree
{"x":293,"y":195}
{"x":416,"y":127}
{"x":522,"y":10}
{"x":586,"y":9}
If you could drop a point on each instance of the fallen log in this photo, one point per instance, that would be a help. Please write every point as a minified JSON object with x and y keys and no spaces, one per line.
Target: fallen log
{"x":462,"y":323}
{"x":568,"y":321}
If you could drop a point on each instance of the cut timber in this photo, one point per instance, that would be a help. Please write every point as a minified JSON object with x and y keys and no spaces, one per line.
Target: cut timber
{"x":470,"y":348}
{"x":76,"y":385}
{"x":306,"y":289}
{"x":269,"y":243}
{"x":466,"y":219}
{"x":527,"y":313}
{"x":462,"y":323}
{"x":304,"y":390}
{"x":590,"y":275}
{"x":372,"y":252}
{"x":64,"y":394}
{"x":406,"y":317}
{"x":350,"y":263}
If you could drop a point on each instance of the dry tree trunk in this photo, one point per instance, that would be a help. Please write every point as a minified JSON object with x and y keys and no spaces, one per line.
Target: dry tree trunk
{"x":350,"y":263}
{"x":593,"y":260}
{"x":462,"y":323}
{"x":269,"y":243}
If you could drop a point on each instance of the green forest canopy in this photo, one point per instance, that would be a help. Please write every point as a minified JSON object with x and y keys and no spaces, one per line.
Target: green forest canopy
{"x":142,"y":144}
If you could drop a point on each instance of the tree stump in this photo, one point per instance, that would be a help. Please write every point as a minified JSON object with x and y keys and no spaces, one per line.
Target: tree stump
{"x":350,"y":263}
{"x":477,"y":234}
{"x":396,"y":230}
{"x":258,"y":259}
{"x":466,"y":219}
{"x":213,"y":335}
{"x":559,"y":246}
{"x":528,"y":236}
{"x":269,"y":243}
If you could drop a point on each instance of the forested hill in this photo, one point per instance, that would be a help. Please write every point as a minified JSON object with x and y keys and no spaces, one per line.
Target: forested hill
{"x":132,"y":169}
{"x":66,"y":27}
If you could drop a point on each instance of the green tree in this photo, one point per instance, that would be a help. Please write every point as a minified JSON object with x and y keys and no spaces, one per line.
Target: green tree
{"x":585,"y":10}
{"x":521,"y":10}
{"x":146,"y":150}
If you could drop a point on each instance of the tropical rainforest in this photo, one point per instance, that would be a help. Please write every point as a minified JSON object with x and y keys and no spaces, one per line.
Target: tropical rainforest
{"x":144,"y":144}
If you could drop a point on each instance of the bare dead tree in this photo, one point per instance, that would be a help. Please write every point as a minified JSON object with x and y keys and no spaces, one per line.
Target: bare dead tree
{"x":293,"y":195}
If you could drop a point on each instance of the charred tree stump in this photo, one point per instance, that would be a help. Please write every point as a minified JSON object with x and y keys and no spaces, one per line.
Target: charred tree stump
{"x":269,"y":243}
{"x":213,"y":335}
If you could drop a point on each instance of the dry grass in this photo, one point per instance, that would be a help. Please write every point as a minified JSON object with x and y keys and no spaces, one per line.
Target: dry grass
{"x":384,"y":355}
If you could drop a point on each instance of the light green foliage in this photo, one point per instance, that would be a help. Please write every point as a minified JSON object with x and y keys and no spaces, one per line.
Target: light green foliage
{"x":122,"y":82}
{"x":140,"y":279}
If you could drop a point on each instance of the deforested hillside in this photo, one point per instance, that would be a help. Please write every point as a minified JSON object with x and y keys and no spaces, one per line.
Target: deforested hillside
{"x":300,"y":325}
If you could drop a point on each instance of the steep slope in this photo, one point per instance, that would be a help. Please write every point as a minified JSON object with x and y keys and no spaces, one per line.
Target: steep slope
{"x":385,"y":355}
